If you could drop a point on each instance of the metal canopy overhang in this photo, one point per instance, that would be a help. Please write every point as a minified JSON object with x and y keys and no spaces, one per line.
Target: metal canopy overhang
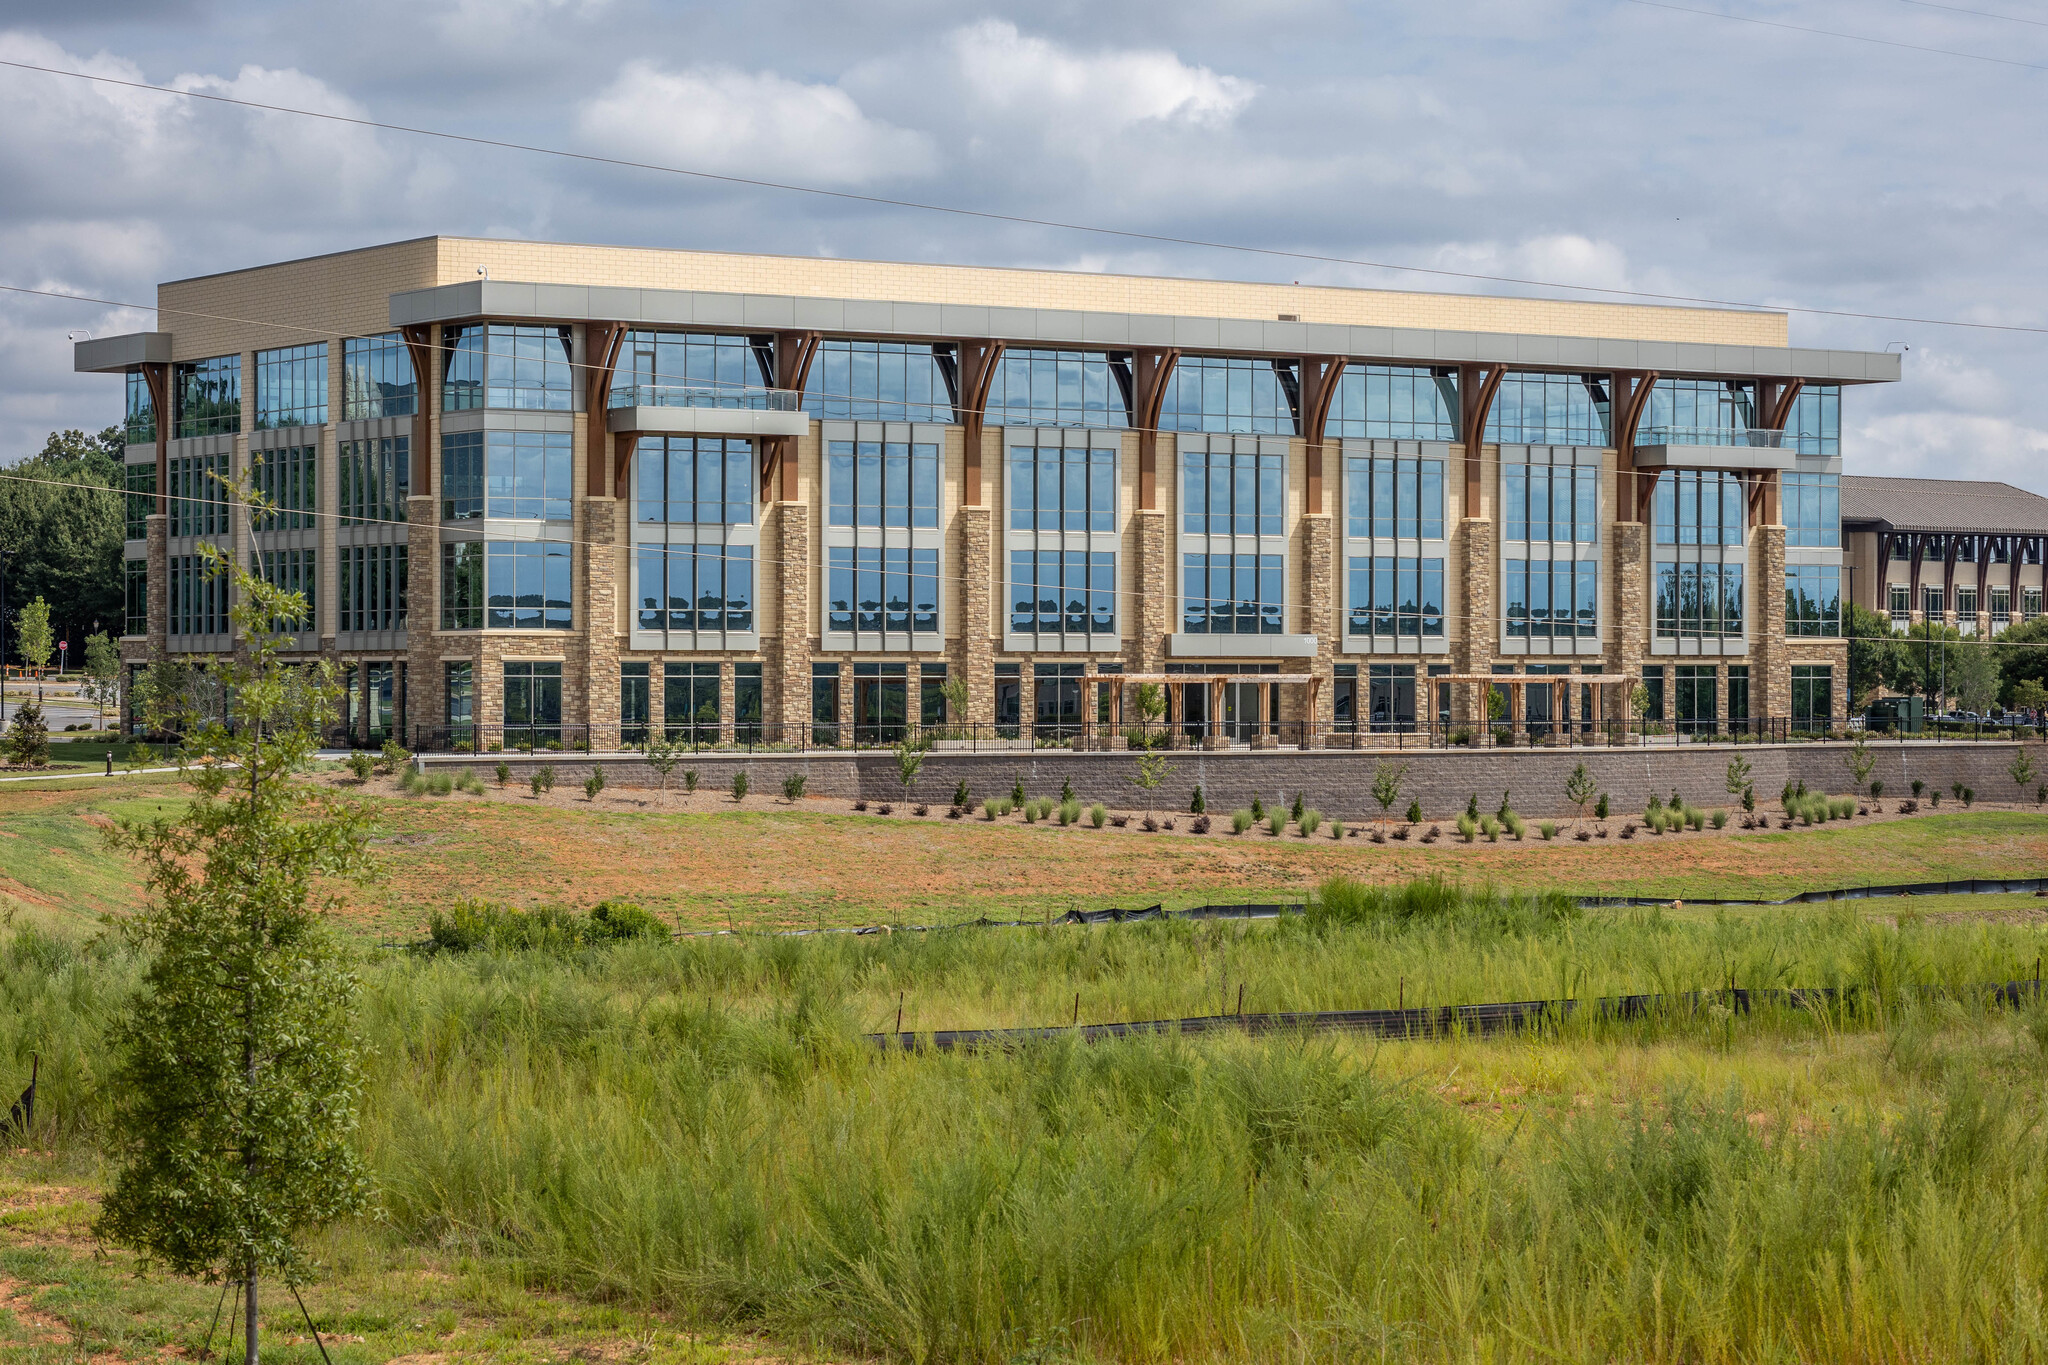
{"x":517,"y":300}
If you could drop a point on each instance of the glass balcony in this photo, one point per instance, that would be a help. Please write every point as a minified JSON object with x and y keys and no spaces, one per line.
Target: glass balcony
{"x":706,"y":396}
{"x":1752,"y":438}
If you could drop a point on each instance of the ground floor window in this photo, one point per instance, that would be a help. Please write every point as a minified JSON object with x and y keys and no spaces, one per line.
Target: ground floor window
{"x":824,"y":703}
{"x":1653,"y":684}
{"x":746,"y":703}
{"x":1009,"y":700}
{"x":1056,"y":697}
{"x":689,"y":702}
{"x":1738,"y":692}
{"x":1813,"y":687}
{"x":458,"y":693}
{"x":1344,"y":699}
{"x":135,"y":579}
{"x":931,"y":695}
{"x":1697,"y":707}
{"x":1443,"y":696}
{"x":370,"y":693}
{"x":881,"y":702}
{"x":1901,"y":605}
{"x":533,"y":704}
{"x":633,"y":696}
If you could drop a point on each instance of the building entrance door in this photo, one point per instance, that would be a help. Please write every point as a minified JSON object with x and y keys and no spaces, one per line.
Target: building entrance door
{"x":1392,"y":697}
{"x":1057,"y":693}
{"x":1243,"y":709}
{"x":881,"y":703}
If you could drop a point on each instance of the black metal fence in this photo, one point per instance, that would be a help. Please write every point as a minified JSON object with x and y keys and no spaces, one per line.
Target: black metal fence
{"x":764,"y":736}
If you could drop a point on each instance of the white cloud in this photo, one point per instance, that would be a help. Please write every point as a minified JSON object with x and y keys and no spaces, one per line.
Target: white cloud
{"x":1114,"y":89}
{"x":757,"y":124}
{"x":1566,"y":258}
{"x":1947,"y":445}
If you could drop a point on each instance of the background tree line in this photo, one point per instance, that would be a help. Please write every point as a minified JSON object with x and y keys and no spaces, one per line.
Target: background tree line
{"x":1940,"y":662}
{"x":62,"y":523}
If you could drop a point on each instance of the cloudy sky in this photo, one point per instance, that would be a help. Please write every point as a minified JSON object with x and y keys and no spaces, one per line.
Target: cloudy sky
{"x":1615,"y":143}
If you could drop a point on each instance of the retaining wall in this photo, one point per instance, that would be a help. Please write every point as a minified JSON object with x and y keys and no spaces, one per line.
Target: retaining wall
{"x":1337,"y":782}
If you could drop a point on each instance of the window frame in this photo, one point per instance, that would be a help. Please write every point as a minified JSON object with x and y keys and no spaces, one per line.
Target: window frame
{"x":1085,"y":559}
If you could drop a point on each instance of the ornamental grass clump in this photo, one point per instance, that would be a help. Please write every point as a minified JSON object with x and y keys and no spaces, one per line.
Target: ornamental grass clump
{"x":1070,"y":812}
{"x":1467,"y":826}
{"x":1276,"y":823}
{"x":1241,"y":820}
{"x":1098,"y":815}
{"x":1490,"y":826}
{"x":1513,"y":824}
{"x":1720,"y":819}
{"x":1311,"y":821}
{"x":1548,"y":829}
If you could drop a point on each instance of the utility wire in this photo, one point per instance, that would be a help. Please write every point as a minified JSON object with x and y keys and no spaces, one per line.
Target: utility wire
{"x":1852,"y":37}
{"x":1128,"y":234}
{"x":1977,"y":13}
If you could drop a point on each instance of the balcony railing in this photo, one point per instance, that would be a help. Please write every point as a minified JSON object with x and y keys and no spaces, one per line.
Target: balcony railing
{"x":1753,"y":438}
{"x":706,"y":396}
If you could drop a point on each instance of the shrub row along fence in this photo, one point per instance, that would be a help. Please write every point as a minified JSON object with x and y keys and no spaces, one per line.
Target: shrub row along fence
{"x":1448,"y":1021}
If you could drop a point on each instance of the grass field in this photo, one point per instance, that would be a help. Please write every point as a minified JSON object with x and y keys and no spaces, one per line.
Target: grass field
{"x":771,"y":866}
{"x":685,"y":1151}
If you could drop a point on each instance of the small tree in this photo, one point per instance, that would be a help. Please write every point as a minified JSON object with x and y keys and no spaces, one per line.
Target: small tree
{"x":594,"y":783}
{"x":909,"y":763}
{"x":954,"y":690}
{"x":1578,"y":789}
{"x":1153,"y":769}
{"x":32,"y":638}
{"x":1387,"y":778}
{"x":1738,"y":775}
{"x":1859,"y":760}
{"x":237,"y":1073}
{"x":102,"y":673}
{"x":1150,"y":701}
{"x":28,"y":737}
{"x":2022,"y":770}
{"x":663,"y":753}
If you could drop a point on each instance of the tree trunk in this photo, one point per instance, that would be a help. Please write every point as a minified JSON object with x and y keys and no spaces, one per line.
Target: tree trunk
{"x":249,"y":1313}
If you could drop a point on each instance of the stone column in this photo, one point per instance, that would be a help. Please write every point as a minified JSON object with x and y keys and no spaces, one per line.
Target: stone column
{"x":1145,"y":647}
{"x":599,"y":615}
{"x":159,"y":555}
{"x":726,"y":690}
{"x":846,"y":716}
{"x":1472,"y":649}
{"x":1771,"y":670}
{"x":426,"y":683}
{"x":788,"y":655}
{"x":974,"y":648}
{"x":1628,"y":633}
{"x":1319,"y":618}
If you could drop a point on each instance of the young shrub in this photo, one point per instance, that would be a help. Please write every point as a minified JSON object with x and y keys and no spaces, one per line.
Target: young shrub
{"x":1653,"y":807}
{"x":1337,"y":830}
{"x":793,"y":789}
{"x":1472,"y":807}
{"x":440,"y":784}
{"x":1548,"y":829}
{"x":1956,"y":790}
{"x":1749,"y":800}
{"x":1070,"y":812}
{"x":1196,"y":804}
{"x":989,"y":811}
{"x":1199,"y":825}
{"x":1578,"y":789}
{"x":1258,"y":810}
{"x":547,"y":777}
{"x":1151,"y":826}
{"x":1584,"y":836}
{"x":1066,"y":790}
{"x":1628,"y":831}
{"x":2041,"y":795}
{"x":920,"y":810}
{"x":1311,"y":821}
{"x":860,"y":803}
{"x":1275,"y":823}
{"x":1119,"y":821}
{"x":885,"y":809}
{"x":960,"y":796}
{"x":362,"y":765}
{"x":1167,"y":823}
{"x":1435,"y":833}
{"x":1720,"y":819}
{"x":1294,"y":812}
{"x":408,"y":780}
{"x":1969,"y":797}
{"x":739,"y":785}
{"x":504,"y":771}
{"x":1490,"y":827}
{"x":1098,"y":815}
{"x":689,"y":779}
{"x":1934,"y":798}
{"x":394,"y":756}
{"x":1695,"y":818}
{"x":1017,"y":792}
{"x":1877,"y":789}
{"x":533,"y":781}
{"x":1241,"y":820}
{"x":1467,"y":826}
{"x":1414,"y":812}
{"x":1785,"y":796}
{"x":621,"y":921}
{"x":594,"y":783}
{"x":470,"y":783}
{"x":1918,"y":786}
{"x":1600,"y":807}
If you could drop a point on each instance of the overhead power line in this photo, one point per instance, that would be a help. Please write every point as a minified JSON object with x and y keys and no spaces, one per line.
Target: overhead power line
{"x":1977,"y":13}
{"x":989,"y":215}
{"x":1851,"y":37}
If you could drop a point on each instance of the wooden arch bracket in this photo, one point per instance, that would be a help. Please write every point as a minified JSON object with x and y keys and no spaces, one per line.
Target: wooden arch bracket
{"x":794,"y":352}
{"x":601,"y":343}
{"x":978,"y":358}
{"x":156,"y":377}
{"x":1151,"y":372}
{"x":1320,"y":376}
{"x":1477,"y":388}
{"x":419,"y":345}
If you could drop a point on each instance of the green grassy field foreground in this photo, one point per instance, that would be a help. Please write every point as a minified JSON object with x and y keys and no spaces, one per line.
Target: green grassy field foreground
{"x":770,"y":865}
{"x":691,"y":1137}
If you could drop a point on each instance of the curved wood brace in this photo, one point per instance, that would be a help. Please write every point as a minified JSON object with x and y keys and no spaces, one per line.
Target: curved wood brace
{"x":419,"y":344}
{"x":601,"y":343}
{"x":1778,"y":410}
{"x":1320,"y":376}
{"x":157,"y":378}
{"x":978,"y":359}
{"x":1150,"y":371}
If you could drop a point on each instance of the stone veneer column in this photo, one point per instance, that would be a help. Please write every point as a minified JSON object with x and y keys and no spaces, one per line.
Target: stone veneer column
{"x":425,"y":683}
{"x":1472,"y":650}
{"x":974,"y":649}
{"x":599,"y":614}
{"x":1770,"y":679}
{"x":788,"y":654}
{"x":1629,"y":632}
{"x":159,"y":556}
{"x":1319,"y":618}
{"x":1146,"y":627}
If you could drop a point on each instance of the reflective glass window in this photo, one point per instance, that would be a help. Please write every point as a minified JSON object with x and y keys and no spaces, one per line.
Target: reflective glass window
{"x":882,"y":483}
{"x":1695,"y":601}
{"x":291,"y":571}
{"x":1232,"y":394}
{"x":874,"y":588}
{"x":1551,"y":599}
{"x":371,"y":587}
{"x":708,"y":480}
{"x":291,"y":386}
{"x":135,"y":581}
{"x":505,"y":365}
{"x":1813,"y":600}
{"x":138,"y":426}
{"x":694,"y":587}
{"x":884,"y":381}
{"x":1550,"y":502}
{"x":1697,"y":411}
{"x":288,"y":480}
{"x":693,"y":369}
{"x":1233,"y":493}
{"x":1232,"y":594}
{"x":1055,"y":488}
{"x":1550,"y":409}
{"x":208,"y":395}
{"x":1815,"y":426}
{"x":1812,"y":509}
{"x":1394,"y":595}
{"x":1060,"y":389}
{"x":375,"y":478}
{"x":377,"y":378}
{"x":1395,"y":402}
{"x":1698,"y":507}
{"x":1063,"y":592}
{"x":139,"y":502}
{"x":526,"y":585}
{"x":1387,"y":496}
